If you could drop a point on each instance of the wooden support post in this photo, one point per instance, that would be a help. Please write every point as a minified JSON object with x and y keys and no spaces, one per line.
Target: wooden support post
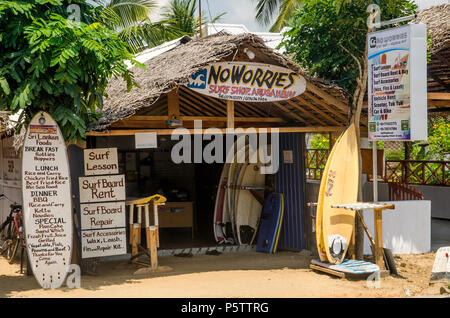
{"x":135,"y":236}
{"x":173,"y":104}
{"x":378,"y":237}
{"x":156,"y":221}
{"x":151,"y":239}
{"x":230,"y":114}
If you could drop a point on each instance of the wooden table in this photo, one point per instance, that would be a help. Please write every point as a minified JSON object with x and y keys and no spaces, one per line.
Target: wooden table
{"x":378,"y":224}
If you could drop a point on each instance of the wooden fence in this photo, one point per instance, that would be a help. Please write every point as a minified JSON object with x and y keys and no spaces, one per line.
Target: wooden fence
{"x":399,"y":171}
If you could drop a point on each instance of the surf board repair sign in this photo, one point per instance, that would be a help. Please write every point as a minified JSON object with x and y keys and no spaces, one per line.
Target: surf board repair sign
{"x":47,"y":202}
{"x":397,"y":83}
{"x":247,"y":82}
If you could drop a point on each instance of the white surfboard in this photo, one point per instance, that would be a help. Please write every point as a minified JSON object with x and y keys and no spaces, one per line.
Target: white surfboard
{"x":47,"y":202}
{"x":248,"y":209}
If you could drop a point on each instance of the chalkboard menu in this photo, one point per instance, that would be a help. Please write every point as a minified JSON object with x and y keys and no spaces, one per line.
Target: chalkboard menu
{"x":102,"y":209}
{"x":47,"y":202}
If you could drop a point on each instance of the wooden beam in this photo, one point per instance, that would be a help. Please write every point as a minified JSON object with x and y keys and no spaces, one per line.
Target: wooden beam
{"x":327,"y":97}
{"x":289,"y":112}
{"x":442,"y":59}
{"x":131,"y":132}
{"x":173,"y":102}
{"x":207,"y":118}
{"x":439,"y":96}
{"x":439,"y":80}
{"x":230,"y":114}
{"x":328,"y":107}
{"x":297,"y":106}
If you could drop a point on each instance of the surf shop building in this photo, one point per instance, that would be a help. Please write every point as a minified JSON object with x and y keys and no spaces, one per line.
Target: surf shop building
{"x":191,"y":90}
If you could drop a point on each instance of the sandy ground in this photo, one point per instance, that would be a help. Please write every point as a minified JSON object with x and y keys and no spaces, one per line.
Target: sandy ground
{"x":235,"y":275}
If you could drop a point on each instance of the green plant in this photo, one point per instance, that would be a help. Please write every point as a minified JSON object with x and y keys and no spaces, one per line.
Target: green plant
{"x":52,"y":63}
{"x":328,"y":36}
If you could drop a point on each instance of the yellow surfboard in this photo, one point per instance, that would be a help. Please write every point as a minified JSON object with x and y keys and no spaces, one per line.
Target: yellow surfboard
{"x":341,"y":186}
{"x":319,"y":211}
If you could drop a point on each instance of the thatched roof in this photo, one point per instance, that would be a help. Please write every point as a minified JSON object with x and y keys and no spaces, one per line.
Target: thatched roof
{"x":173,"y":68}
{"x":437,"y":19}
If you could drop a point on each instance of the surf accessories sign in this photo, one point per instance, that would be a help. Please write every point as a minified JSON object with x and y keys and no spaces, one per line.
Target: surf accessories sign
{"x":47,"y":202}
{"x":397,"y":83}
{"x":247,"y":82}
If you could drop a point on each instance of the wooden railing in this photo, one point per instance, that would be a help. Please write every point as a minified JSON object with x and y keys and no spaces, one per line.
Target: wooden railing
{"x":402,"y":191}
{"x":418,"y":172}
{"x":399,"y":171}
{"x":315,"y":163}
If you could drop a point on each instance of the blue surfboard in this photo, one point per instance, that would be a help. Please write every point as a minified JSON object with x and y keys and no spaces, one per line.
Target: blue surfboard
{"x":269,"y":223}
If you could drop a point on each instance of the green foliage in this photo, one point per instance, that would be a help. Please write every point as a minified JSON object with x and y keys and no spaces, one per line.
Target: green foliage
{"x":266,"y":10}
{"x":130,"y":19}
{"x":438,"y":146}
{"x":58,"y":65}
{"x":181,"y":14}
{"x":320,"y":141}
{"x":321,"y":29}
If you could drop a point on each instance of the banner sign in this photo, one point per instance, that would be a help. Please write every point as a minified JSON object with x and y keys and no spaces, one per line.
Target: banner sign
{"x":47,"y":201}
{"x":397,"y":83}
{"x":247,"y":82}
{"x":103,"y":213}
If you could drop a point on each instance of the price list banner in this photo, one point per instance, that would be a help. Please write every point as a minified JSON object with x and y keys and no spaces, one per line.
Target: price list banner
{"x":397,"y":83}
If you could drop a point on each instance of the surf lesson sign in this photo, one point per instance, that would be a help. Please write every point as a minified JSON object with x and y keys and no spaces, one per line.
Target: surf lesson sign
{"x":247,"y":82}
{"x":47,"y":202}
{"x":397,"y":83}
{"x":102,"y":194}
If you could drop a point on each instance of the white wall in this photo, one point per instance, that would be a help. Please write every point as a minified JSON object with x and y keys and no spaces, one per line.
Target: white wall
{"x":406,"y":230}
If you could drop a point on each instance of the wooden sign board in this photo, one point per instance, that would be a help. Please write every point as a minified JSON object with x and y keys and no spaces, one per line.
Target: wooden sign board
{"x":247,"y":82}
{"x":102,"y":215}
{"x":100,"y":161}
{"x":367,"y":162}
{"x":102,"y":188}
{"x":105,"y":242}
{"x":47,"y":202}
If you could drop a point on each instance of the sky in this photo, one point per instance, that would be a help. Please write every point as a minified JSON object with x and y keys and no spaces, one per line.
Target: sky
{"x":243,"y":11}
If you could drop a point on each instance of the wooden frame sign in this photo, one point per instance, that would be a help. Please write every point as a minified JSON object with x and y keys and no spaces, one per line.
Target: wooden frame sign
{"x":102,"y":197}
{"x":247,"y":82}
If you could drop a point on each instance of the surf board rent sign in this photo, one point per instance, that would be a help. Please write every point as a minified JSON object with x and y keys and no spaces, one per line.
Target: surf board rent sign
{"x":47,"y":202}
{"x":247,"y":82}
{"x":102,"y":194}
{"x":397,"y":83}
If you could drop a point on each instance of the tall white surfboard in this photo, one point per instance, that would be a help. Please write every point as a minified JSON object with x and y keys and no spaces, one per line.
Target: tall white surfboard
{"x":47,"y":202}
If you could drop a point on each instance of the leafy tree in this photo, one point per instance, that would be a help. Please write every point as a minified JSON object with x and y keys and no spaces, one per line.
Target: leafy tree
{"x":58,"y":65}
{"x":266,"y":10}
{"x":181,"y":15}
{"x":329,"y":36}
{"x":130,"y":19}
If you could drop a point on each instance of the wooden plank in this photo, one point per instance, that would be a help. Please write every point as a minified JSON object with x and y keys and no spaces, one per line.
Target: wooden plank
{"x":310,"y":105}
{"x":200,"y":108}
{"x":304,"y":111}
{"x":230,"y":114}
{"x":329,"y":108}
{"x":439,"y":96}
{"x":173,"y":104}
{"x":132,"y":132}
{"x":378,"y":238}
{"x":206,"y":100}
{"x":289,"y":112}
{"x":439,"y":80}
{"x":327,"y":270}
{"x":327,"y":97}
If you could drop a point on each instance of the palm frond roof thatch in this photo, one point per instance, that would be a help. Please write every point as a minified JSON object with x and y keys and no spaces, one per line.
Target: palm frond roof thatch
{"x":437,"y":19}
{"x":173,"y":68}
